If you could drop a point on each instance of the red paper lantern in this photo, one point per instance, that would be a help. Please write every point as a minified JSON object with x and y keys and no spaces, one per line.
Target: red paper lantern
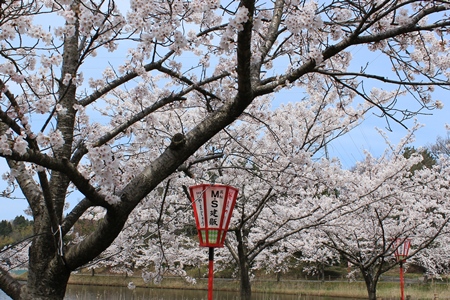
{"x":401,"y":247}
{"x":213,"y":206}
{"x":401,"y":251}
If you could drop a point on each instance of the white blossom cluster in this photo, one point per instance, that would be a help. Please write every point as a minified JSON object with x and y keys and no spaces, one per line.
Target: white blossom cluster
{"x":13,"y":257}
{"x":235,"y":25}
{"x":304,"y":19}
{"x":104,"y":169}
{"x":5,"y":147}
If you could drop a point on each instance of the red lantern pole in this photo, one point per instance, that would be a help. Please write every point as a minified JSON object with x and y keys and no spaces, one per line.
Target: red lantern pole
{"x":213,"y":206}
{"x":401,"y":253}
{"x":402,"y":282}
{"x":211,"y":273}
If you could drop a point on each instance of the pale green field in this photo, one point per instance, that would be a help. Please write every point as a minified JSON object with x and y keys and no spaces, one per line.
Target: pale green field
{"x":351,"y":290}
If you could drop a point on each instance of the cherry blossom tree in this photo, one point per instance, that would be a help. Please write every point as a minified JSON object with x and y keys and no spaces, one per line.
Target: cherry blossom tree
{"x":441,"y":146}
{"x":75,"y":122}
{"x":285,"y":191}
{"x":396,"y":201}
{"x":434,"y":259}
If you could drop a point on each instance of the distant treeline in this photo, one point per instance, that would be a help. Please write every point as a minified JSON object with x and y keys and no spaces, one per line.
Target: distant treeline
{"x":15,"y":230}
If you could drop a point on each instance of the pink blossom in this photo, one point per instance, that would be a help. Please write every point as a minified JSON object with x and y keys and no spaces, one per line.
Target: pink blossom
{"x":20,"y":145}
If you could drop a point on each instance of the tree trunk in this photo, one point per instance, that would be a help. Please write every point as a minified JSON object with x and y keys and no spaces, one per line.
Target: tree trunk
{"x":51,"y":286}
{"x":371,"y":285}
{"x":47,"y":272}
{"x":244,"y":269}
{"x":322,"y":271}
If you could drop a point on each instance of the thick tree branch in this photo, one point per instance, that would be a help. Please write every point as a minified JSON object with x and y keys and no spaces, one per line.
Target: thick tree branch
{"x":95,"y":243}
{"x":9,"y":285}
{"x":168,"y":161}
{"x":75,"y":214}
{"x":382,"y":78}
{"x":30,"y":189}
{"x":6,"y":120}
{"x":67,"y":168}
{"x":269,"y":84}
{"x":246,"y":78}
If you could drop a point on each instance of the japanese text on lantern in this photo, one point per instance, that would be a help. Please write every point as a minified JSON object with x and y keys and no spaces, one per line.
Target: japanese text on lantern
{"x":214,"y":206}
{"x":199,"y":206}
{"x":228,"y":207}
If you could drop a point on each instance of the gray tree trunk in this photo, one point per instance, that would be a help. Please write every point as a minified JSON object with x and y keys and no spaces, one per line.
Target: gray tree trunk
{"x":244,"y":268}
{"x":371,"y":285}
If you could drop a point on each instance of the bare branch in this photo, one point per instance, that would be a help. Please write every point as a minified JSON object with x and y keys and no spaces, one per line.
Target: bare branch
{"x":9,"y":285}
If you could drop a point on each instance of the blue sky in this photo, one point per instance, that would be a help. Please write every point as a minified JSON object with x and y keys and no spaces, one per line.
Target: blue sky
{"x":350,"y":148}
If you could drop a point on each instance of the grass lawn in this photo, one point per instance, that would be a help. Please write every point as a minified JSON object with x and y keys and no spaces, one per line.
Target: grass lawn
{"x":387,"y":289}
{"x":351,"y":290}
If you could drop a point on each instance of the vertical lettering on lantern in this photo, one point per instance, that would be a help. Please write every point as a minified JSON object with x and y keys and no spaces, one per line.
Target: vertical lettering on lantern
{"x":198,"y":192}
{"x":228,"y":207}
{"x":214,"y":202}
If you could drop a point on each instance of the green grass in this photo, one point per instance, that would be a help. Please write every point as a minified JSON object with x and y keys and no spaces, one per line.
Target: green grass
{"x":354,"y":290}
{"x":351,"y":290}
{"x":437,"y":290}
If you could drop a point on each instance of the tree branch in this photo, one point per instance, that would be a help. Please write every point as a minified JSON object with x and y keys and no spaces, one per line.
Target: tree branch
{"x":75,"y":214}
{"x":67,"y":168}
{"x":9,"y":285}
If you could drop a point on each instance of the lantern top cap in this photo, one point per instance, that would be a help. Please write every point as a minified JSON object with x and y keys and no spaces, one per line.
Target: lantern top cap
{"x":213,"y":185}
